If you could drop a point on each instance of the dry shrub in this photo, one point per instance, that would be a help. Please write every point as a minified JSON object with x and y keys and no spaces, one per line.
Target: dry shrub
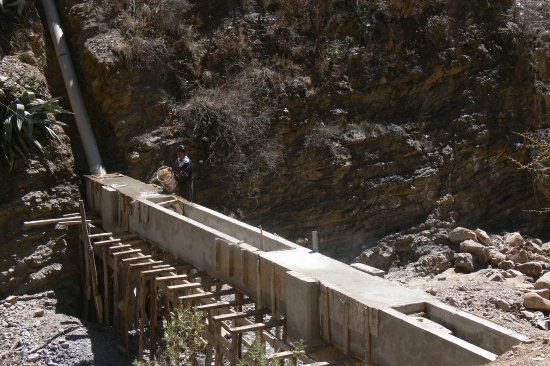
{"x":231,"y":124}
{"x":311,"y":14}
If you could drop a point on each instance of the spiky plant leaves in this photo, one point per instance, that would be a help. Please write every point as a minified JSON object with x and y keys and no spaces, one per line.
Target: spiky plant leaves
{"x":20,"y":116}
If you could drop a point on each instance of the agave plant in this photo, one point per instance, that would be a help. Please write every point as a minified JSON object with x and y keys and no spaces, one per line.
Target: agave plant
{"x":20,"y":116}
{"x":20,"y":4}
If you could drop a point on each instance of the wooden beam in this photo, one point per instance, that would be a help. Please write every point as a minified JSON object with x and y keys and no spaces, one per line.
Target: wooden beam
{"x":224,"y":304}
{"x":257,"y":326}
{"x":100,"y":235}
{"x":206,"y":295}
{"x":238,"y":315}
{"x":192,"y":285}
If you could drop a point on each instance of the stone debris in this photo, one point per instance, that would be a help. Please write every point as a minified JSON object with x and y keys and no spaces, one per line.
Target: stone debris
{"x":515,"y":240}
{"x":479,"y":251}
{"x":543,"y":282}
{"x":465,"y":262}
{"x":38,"y":313}
{"x":11,"y":300}
{"x":506,"y":264}
{"x":531,"y":269}
{"x":482,"y":237}
{"x":460,"y":234}
{"x":536,"y":302}
{"x":503,"y":305}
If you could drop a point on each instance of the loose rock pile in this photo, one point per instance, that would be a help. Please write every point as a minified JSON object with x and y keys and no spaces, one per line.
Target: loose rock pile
{"x":514,"y":256}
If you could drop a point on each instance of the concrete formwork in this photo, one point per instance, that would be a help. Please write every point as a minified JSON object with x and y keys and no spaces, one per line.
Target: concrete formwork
{"x":322,"y":299}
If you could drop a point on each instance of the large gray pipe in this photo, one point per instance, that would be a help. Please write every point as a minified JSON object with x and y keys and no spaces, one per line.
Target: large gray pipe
{"x":71,"y":83}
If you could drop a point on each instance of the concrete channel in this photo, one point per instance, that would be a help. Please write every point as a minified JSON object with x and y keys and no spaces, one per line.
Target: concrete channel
{"x":324,"y":301}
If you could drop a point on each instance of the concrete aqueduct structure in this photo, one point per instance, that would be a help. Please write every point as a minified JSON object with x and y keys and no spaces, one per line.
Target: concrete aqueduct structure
{"x":322,"y":300}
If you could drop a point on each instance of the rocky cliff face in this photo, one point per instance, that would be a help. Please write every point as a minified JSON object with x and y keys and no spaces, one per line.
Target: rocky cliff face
{"x":44,"y":186}
{"x":360,"y":119}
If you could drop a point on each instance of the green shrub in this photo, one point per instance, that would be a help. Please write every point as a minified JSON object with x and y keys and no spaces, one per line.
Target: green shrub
{"x":20,"y":116}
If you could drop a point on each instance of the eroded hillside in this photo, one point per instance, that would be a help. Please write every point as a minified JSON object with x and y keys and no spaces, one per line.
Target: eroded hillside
{"x":356,"y":118}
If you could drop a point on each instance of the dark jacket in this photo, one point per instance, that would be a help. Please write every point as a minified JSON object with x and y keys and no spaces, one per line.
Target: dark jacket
{"x":183,"y":166}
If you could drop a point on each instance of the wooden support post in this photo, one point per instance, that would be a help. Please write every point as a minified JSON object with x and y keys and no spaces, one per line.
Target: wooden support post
{"x":116,"y":275}
{"x":368,"y":360}
{"x":274,"y":300}
{"x":346,"y":327}
{"x":315,"y":240}
{"x":127,"y":309}
{"x":326,"y":316}
{"x":259,"y":302}
{"x":91,"y":262}
{"x":153,"y":319}
{"x":106,"y":285}
{"x":142,"y":297}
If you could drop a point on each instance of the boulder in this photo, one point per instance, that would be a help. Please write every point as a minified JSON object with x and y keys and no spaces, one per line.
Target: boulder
{"x":465,"y":262}
{"x":495,"y":256}
{"x":533,"y":247}
{"x":531,"y":269}
{"x":517,"y":255}
{"x":536,"y":302}
{"x":435,"y":262}
{"x":460,"y":234}
{"x":543,"y":292}
{"x":506,"y":265}
{"x":503,"y":305}
{"x":480,"y":252}
{"x":543,"y":282}
{"x":546,"y":247}
{"x":515,"y":240}
{"x":482,"y":237}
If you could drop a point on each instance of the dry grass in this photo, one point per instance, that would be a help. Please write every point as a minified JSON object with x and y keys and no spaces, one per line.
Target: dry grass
{"x":231,"y":125}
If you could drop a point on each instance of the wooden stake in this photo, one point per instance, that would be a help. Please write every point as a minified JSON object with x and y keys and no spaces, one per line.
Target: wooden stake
{"x":106,"y":285}
{"x":116,"y":275}
{"x":153,"y":319}
{"x":127,"y":309}
{"x":143,"y":282}
{"x":91,"y":262}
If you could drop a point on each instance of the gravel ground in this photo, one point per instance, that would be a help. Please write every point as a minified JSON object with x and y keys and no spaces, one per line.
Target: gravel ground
{"x":32,"y":333}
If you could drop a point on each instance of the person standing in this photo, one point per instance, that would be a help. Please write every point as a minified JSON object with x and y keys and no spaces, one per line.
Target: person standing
{"x":183,"y":171}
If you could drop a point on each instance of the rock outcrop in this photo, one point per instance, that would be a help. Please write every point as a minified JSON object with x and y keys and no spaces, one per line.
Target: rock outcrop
{"x":43,"y":186}
{"x":353,"y":124}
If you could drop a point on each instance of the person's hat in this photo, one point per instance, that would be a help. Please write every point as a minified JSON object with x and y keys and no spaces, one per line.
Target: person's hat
{"x":182,"y":148}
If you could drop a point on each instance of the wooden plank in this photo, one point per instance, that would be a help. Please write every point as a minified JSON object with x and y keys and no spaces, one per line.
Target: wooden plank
{"x":344,"y":360}
{"x":142,"y":297}
{"x":91,"y":262}
{"x":257,"y":326}
{"x":75,"y":222}
{"x":129,"y":251}
{"x":144,"y":264}
{"x":105,"y":242}
{"x":116,"y":271}
{"x":100,"y":235}
{"x":346,"y":327}
{"x":127,"y":309}
{"x":225,"y":304}
{"x":180,"y":277}
{"x":206,"y":295}
{"x":52,"y":221}
{"x":157,"y":270}
{"x":238,"y":315}
{"x":192,"y":285}
{"x":165,"y":203}
{"x":106,"y":286}
{"x":135,"y":259}
{"x":153,"y":319}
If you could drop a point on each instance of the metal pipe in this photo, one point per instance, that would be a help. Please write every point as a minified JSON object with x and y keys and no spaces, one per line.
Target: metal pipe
{"x":73,"y":89}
